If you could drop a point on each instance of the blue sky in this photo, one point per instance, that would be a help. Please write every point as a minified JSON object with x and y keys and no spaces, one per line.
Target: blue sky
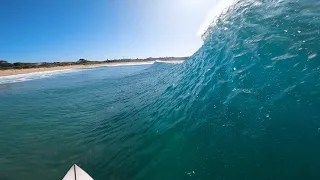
{"x":66,"y":30}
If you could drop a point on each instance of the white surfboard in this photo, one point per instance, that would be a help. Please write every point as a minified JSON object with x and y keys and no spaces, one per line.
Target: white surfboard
{"x":76,"y":173}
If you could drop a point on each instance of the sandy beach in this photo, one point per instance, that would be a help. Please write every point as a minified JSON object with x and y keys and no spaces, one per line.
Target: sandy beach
{"x":31,"y":70}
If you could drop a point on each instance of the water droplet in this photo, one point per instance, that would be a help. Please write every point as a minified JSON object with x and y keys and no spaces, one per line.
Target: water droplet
{"x":190,"y":173}
{"x":311,"y":56}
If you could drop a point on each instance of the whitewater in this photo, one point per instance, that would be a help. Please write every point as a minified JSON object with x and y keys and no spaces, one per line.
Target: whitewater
{"x":244,"y":106}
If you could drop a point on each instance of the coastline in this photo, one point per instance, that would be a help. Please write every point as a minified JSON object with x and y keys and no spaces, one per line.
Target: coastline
{"x":10,"y":72}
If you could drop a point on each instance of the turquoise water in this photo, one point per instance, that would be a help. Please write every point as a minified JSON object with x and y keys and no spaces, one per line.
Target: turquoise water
{"x":244,"y":106}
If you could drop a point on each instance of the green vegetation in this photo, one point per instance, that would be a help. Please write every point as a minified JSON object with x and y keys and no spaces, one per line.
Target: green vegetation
{"x":21,"y":65}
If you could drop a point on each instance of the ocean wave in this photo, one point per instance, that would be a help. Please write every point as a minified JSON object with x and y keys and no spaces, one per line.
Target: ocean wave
{"x":244,"y":106}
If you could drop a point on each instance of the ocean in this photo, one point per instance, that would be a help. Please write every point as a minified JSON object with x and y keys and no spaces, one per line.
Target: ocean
{"x":246,"y":105}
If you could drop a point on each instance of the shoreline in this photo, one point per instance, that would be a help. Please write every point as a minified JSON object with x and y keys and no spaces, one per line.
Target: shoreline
{"x":10,"y":72}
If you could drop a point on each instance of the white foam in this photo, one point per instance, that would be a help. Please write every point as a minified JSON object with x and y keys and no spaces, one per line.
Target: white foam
{"x":128,"y":64}
{"x":170,"y":62}
{"x":33,"y":76}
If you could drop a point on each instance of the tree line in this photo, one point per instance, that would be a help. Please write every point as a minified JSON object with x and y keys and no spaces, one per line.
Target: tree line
{"x":23,"y":65}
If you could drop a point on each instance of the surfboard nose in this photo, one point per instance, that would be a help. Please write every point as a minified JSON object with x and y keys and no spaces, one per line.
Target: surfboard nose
{"x":76,"y":173}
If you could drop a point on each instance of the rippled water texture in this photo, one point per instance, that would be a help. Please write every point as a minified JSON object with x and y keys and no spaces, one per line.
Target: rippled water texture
{"x":244,"y":106}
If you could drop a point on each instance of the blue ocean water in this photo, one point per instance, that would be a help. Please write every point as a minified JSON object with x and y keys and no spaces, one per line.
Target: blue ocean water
{"x":244,"y":106}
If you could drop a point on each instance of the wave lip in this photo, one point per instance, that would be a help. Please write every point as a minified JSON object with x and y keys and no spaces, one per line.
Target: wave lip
{"x":221,"y":7}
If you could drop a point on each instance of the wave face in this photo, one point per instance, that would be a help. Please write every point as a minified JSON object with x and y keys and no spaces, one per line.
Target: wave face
{"x":244,"y":106}
{"x":247,"y":103}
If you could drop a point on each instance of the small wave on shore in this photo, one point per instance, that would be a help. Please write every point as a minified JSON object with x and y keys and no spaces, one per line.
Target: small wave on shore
{"x":27,"y":76}
{"x":169,"y":62}
{"x":33,"y":76}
